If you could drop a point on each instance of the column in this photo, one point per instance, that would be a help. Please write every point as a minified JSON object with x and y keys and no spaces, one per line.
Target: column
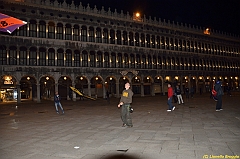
{"x":68,"y":96}
{"x":117,"y":90}
{"x":89,"y":89}
{"x":56,"y":87}
{"x":18,"y":94}
{"x":152,"y":89}
{"x":74,"y":97}
{"x":104,"y":89}
{"x":38,"y":93}
{"x":142,"y":90}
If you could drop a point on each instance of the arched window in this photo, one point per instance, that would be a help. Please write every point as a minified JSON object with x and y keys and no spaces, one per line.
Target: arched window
{"x":68,"y":32}
{"x":98,"y":35}
{"x":51,"y":57}
{"x":92,"y":59}
{"x":105,"y":35}
{"x":76,"y":58}
{"x":136,"y":39}
{"x":42,"y":57}
{"x":125,"y":38}
{"x":153,"y":41}
{"x":113,"y":59}
{"x":84,"y":59}
{"x":144,"y":61}
{"x":149,"y":62}
{"x":119,"y":37}
{"x":132,"y":59}
{"x":23,"y":56}
{"x":106,"y":60}
{"x":119,"y":61}
{"x":33,"y":56}
{"x":33,"y":28}
{"x":59,"y":31}
{"x":131,"y":40}
{"x":76,"y":33}
{"x":126,"y":61}
{"x":51,"y":30}
{"x":142,"y":40}
{"x":154,"y":62}
{"x":148,"y":40}
{"x":68,"y":61}
{"x":99,"y":59}
{"x":138,"y":61}
{"x":112,"y":36}
{"x":42,"y":29}
{"x":84,"y":33}
{"x":60,"y":57}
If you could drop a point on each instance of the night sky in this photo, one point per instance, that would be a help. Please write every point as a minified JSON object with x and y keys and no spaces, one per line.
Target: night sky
{"x":221,"y":15}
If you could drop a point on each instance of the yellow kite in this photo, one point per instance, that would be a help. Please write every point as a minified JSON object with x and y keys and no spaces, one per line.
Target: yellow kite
{"x":78,"y":92}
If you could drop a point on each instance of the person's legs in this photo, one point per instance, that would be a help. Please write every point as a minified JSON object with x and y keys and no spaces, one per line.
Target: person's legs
{"x":170,"y":106}
{"x":123,"y":115}
{"x":178,"y":97}
{"x":128,"y":116}
{"x":181,"y":99}
{"x":60,"y":105}
{"x":56,"y":106}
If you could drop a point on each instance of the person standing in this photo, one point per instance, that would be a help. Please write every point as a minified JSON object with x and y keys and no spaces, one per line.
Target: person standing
{"x":125,"y":103}
{"x":218,"y":89}
{"x":170,"y":95}
{"x":179,"y":95}
{"x":58,"y":103}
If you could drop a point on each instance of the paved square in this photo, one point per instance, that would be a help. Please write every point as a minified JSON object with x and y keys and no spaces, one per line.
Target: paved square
{"x":92,"y":129}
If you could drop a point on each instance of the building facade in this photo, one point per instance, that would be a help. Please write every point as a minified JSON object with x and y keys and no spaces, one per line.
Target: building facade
{"x":94,"y":50}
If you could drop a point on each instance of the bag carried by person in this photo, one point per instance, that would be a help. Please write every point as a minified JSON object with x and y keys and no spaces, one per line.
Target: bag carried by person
{"x":130,"y":109}
{"x":214,"y":94}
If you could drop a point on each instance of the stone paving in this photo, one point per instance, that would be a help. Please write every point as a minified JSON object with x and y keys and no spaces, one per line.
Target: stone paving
{"x":93,"y":129}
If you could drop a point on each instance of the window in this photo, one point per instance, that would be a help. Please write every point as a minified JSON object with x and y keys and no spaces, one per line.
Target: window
{"x":68,"y":58}
{"x":132,"y":64}
{"x":136,"y":39}
{"x":148,"y":40}
{"x":98,"y":35}
{"x":84,"y":33}
{"x":33,"y":28}
{"x":131,"y":40}
{"x":60,"y":58}
{"x":76,"y":33}
{"x":91,"y":35}
{"x":142,"y":40}
{"x":92,"y":59}
{"x":138,"y":61}
{"x":119,"y":60}
{"x":68,"y":32}
{"x":51,"y":30}
{"x":76,"y":58}
{"x":112,"y":36}
{"x":51,"y":57}
{"x":42,"y":29}
{"x":126,"y":61}
{"x":119,"y":38}
{"x":85,"y":59}
{"x":99,"y":59}
{"x":22,"y":30}
{"x":106,"y":60}
{"x":113,"y":60}
{"x":23,"y":56}
{"x":12,"y":57}
{"x":105,"y":36}
{"x":3,"y":55}
{"x":125,"y":38}
{"x":144,"y":61}
{"x":149,"y":61}
{"x":33,"y":57}
{"x":59,"y":31}
{"x":42,"y":57}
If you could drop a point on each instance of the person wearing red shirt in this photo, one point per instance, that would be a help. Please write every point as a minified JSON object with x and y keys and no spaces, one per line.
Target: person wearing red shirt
{"x":170,"y":95}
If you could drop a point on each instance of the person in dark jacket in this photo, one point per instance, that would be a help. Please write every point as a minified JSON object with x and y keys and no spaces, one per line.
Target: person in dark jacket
{"x":58,"y":103}
{"x":218,"y":89}
{"x":125,"y":101}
